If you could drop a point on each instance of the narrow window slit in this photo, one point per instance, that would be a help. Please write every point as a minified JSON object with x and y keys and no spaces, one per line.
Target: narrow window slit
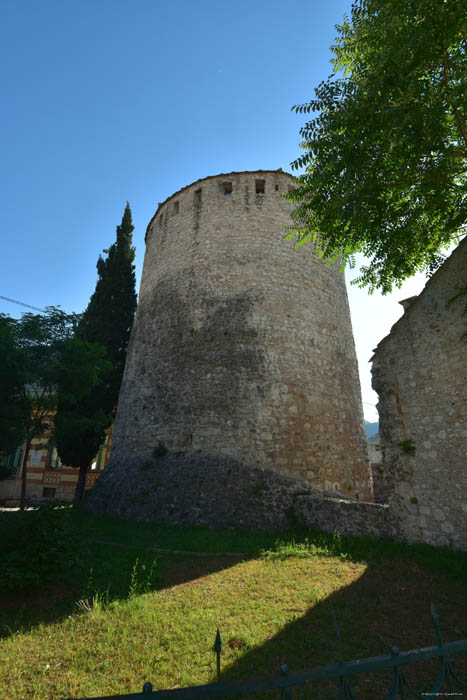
{"x":260,"y":186}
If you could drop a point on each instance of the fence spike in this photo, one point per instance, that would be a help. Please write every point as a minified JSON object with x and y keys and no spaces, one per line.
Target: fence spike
{"x":435,"y":619}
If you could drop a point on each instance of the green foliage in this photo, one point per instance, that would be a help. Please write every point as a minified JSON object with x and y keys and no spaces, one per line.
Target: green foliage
{"x":39,"y":547}
{"x":109,"y":316}
{"x":80,"y":421}
{"x":285,"y":549}
{"x":408,"y":446}
{"x":386,"y":150}
{"x":142,"y":579}
{"x":31,"y":350}
{"x":159,"y":451}
{"x":12,"y":428}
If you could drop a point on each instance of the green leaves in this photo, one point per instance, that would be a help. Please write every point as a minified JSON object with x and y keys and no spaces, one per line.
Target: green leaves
{"x":109,"y":316}
{"x":30,"y":348}
{"x":81,"y":419}
{"x":386,"y":154}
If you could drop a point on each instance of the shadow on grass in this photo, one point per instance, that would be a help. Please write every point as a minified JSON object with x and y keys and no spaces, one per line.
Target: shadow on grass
{"x":51,"y":561}
{"x":393,"y":599}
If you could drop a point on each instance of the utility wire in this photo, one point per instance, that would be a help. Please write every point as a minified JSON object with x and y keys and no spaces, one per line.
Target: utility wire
{"x":14,"y":301}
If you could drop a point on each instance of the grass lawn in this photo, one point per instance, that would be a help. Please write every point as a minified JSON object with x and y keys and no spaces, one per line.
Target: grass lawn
{"x":78,"y":618}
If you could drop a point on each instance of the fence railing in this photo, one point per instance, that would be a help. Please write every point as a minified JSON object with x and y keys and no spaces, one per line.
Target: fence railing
{"x":342,"y":672}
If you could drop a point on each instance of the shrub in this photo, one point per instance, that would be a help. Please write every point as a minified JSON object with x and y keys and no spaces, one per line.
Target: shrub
{"x":159,"y":451}
{"x":39,"y":547}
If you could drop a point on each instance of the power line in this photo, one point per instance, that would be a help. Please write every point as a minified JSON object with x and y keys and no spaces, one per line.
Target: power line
{"x":14,"y":301}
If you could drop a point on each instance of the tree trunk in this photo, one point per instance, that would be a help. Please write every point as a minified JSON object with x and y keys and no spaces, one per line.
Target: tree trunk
{"x":79,"y":493}
{"x":24,"y":473}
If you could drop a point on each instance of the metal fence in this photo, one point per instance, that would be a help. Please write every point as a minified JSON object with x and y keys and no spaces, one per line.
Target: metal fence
{"x":342,"y":672}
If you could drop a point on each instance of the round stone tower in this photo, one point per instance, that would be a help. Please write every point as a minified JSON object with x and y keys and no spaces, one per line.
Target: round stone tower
{"x":242,"y":346}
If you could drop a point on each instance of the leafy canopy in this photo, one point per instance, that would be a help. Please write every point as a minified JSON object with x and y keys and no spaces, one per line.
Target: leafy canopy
{"x":31,"y":349}
{"x":11,"y":379}
{"x":80,"y":421}
{"x":386,"y":149}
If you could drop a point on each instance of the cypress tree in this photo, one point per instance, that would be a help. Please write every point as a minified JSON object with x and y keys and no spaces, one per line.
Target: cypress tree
{"x":109,"y":315}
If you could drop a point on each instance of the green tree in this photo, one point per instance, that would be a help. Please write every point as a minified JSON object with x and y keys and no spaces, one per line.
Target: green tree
{"x":386,"y":150}
{"x":11,"y":409}
{"x":80,"y":420}
{"x":32,"y":349}
{"x":109,"y":316}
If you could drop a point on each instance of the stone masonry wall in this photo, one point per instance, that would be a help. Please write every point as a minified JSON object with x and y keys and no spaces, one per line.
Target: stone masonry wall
{"x":242,"y":346}
{"x":216,"y":491}
{"x":420,"y":374}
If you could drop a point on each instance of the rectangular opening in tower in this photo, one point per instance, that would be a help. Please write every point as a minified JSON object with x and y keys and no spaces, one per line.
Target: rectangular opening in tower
{"x":176,"y":207}
{"x":198,"y":197}
{"x":260,"y":186}
{"x":227,"y":187}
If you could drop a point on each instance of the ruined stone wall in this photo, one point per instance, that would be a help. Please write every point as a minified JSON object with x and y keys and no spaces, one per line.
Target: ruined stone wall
{"x":242,"y":346}
{"x":420,"y":374}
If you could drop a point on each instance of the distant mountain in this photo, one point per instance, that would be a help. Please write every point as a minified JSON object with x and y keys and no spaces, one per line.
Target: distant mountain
{"x":371,"y":428}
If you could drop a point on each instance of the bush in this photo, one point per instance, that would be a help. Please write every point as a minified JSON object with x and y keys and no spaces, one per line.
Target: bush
{"x":39,"y":547}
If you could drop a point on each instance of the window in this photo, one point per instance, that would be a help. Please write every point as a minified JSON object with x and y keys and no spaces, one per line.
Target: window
{"x":11,"y":463}
{"x":198,"y":198}
{"x":227,"y":187}
{"x":260,"y":186}
{"x":176,"y":207}
{"x":48,"y":492}
{"x":35,"y":458}
{"x":53,"y":460}
{"x":277,"y":188}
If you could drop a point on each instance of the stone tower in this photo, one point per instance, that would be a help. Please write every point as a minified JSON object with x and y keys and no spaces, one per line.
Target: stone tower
{"x":242,"y":346}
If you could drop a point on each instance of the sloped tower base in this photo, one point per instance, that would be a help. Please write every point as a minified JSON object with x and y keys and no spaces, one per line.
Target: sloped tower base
{"x":201,"y":489}
{"x":197,"y":489}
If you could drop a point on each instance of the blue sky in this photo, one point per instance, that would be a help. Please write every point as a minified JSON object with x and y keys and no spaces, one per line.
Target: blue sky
{"x":106,"y":101}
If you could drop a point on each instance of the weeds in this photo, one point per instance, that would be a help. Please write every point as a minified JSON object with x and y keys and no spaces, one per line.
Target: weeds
{"x":408,"y":446}
{"x":299,"y":550}
{"x":159,"y":451}
{"x":142,"y":578}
